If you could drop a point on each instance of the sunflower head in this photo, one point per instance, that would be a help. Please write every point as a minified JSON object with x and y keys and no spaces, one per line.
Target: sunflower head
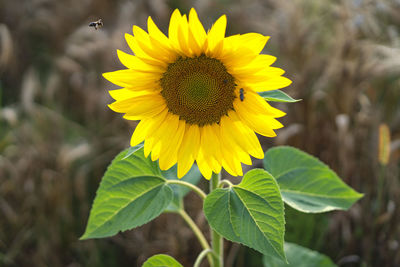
{"x":198,"y":89}
{"x":195,"y":94}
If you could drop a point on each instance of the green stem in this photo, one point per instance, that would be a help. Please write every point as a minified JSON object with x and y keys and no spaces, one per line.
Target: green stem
{"x":216,"y":239}
{"x":203,"y":242}
{"x":197,"y":190}
{"x":227,"y":182}
{"x":201,"y":256}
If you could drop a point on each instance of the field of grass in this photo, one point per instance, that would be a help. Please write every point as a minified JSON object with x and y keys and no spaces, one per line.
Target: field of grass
{"x":57,"y":134}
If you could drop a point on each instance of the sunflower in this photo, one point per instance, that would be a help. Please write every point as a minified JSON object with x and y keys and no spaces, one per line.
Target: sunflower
{"x":195,"y":94}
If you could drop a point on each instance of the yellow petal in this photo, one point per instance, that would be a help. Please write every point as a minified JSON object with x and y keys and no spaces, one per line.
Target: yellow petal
{"x":255,"y":104}
{"x":160,"y":41}
{"x":191,"y":141}
{"x":188,"y":149}
{"x":269,"y":84}
{"x":258,"y":64}
{"x":210,"y":146}
{"x":210,"y":143}
{"x":197,"y":34}
{"x":155,"y":152}
{"x":232,"y":165}
{"x":169,"y":152}
{"x":155,"y":124}
{"x":174,"y":28}
{"x":138,"y":105}
{"x":133,"y":79}
{"x":183,"y":36}
{"x":243,"y":135}
{"x":241,"y":56}
{"x":140,"y":53}
{"x":139,"y":116}
{"x":143,"y":40}
{"x":261,"y":124}
{"x":228,"y":166}
{"x":230,"y":162}
{"x":164,"y":134}
{"x":135,"y":63}
{"x":232,"y":43}
{"x":254,"y":41}
{"x":215,"y":164}
{"x":196,"y":27}
{"x":169,"y":54}
{"x":140,"y":132}
{"x":124,"y":93}
{"x":204,"y":168}
{"x":261,"y":76}
{"x":184,"y":165}
{"x":148,"y":146}
{"x":228,"y":140}
{"x":155,"y":32}
{"x":216,"y":35}
{"x":194,"y":46}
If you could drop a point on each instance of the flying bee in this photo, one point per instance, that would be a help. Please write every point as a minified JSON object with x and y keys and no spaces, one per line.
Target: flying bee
{"x":96,"y":24}
{"x":241,"y":94}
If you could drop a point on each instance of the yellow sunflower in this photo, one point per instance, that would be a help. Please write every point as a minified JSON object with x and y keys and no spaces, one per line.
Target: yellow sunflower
{"x":195,"y":94}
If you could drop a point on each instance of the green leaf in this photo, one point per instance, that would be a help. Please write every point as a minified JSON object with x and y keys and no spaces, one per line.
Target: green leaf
{"x":299,"y":256}
{"x":250,"y":213}
{"x":277,"y":96}
{"x":161,"y":260}
{"x":306,"y":183}
{"x":131,"y":193}
{"x":132,"y":150}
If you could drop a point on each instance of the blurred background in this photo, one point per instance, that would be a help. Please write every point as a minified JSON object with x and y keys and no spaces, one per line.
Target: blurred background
{"x":57,"y":135}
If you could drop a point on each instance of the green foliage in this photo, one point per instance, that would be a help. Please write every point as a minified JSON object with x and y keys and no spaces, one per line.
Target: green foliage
{"x":277,"y":96}
{"x":132,"y":150}
{"x":161,"y":260}
{"x":306,"y":183}
{"x":306,"y":229}
{"x":131,"y":193}
{"x":299,"y":256}
{"x":250,"y":213}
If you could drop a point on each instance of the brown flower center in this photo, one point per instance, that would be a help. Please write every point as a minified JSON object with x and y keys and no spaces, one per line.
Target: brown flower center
{"x":199,"y":90}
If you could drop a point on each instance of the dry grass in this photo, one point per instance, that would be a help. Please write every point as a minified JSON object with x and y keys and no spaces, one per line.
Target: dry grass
{"x":57,"y":135}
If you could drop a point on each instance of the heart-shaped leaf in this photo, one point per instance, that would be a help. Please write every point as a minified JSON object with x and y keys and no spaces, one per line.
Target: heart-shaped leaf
{"x":298,"y":256}
{"x":131,"y":193}
{"x":306,"y":183}
{"x":250,"y":213}
{"x":161,"y":260}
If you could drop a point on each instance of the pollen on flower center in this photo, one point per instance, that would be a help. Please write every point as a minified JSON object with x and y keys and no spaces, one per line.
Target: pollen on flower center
{"x":199,"y":89}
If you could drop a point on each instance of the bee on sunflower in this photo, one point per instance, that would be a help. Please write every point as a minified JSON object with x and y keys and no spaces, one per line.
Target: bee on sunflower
{"x":195,"y":94}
